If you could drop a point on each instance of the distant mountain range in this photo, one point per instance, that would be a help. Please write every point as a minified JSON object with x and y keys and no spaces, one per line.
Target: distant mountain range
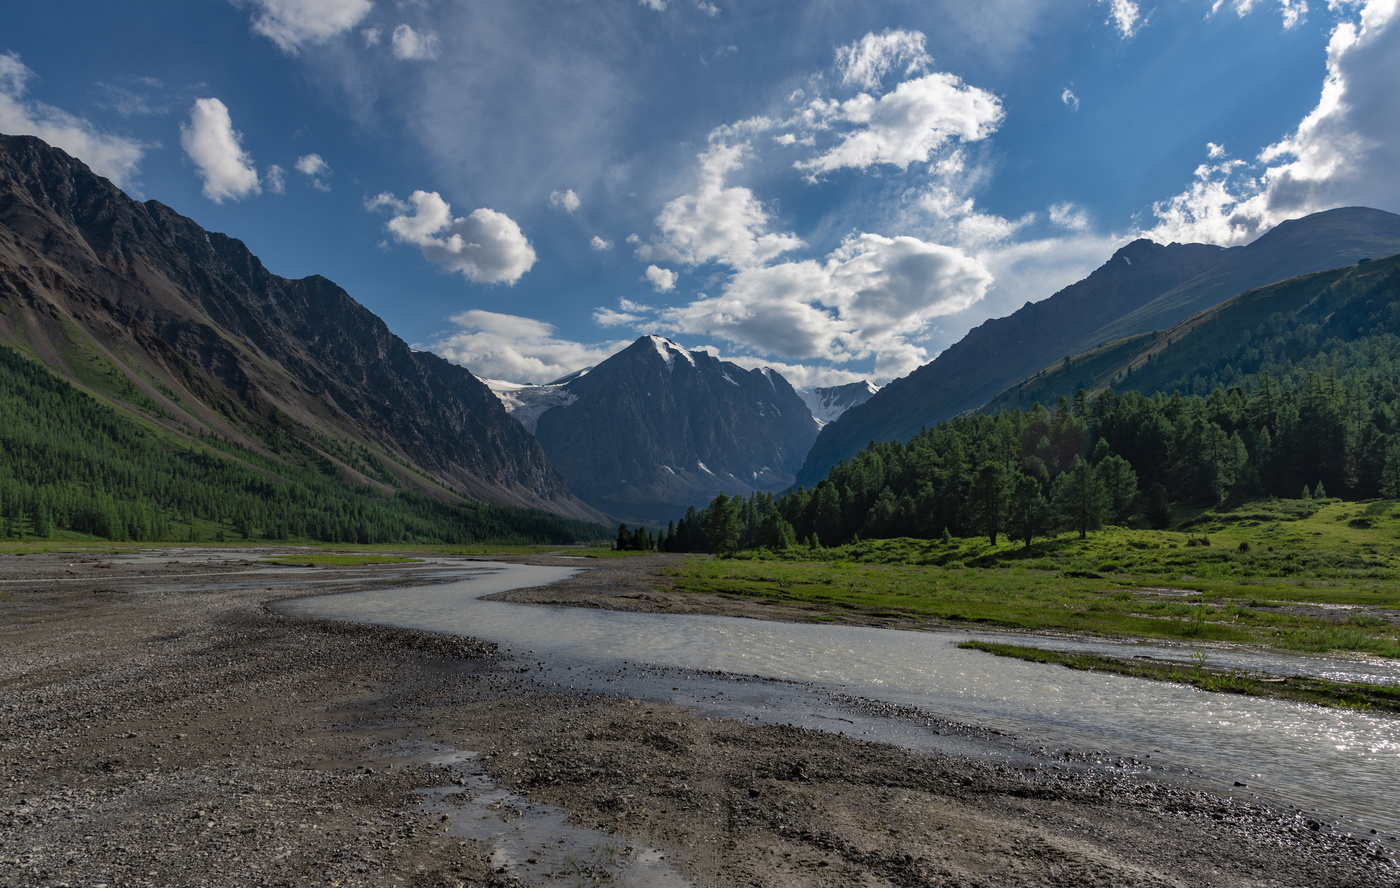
{"x":1142,"y":288}
{"x":185,"y":328}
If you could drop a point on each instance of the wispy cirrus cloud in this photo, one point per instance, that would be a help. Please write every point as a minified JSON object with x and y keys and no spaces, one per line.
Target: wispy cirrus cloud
{"x":1125,"y":16}
{"x":409,"y":44}
{"x":292,"y":24}
{"x":865,"y":63}
{"x":517,"y":349}
{"x":1294,"y":12}
{"x":108,"y":154}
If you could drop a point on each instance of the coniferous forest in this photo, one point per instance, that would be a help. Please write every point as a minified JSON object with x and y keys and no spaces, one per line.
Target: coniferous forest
{"x":1110,"y":459}
{"x":70,"y":463}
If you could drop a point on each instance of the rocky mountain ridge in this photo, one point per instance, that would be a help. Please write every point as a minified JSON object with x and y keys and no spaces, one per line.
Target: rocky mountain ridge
{"x":658,"y":427}
{"x":186,"y":328}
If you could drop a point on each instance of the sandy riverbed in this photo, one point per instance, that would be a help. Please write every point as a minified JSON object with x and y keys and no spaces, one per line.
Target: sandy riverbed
{"x":187,"y":736}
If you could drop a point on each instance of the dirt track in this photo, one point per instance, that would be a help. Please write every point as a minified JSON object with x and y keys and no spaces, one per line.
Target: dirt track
{"x":186,"y":736}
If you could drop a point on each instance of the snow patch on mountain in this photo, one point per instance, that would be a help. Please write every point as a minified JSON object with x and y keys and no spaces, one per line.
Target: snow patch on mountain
{"x":827,"y":403}
{"x":669,"y":350}
{"x":526,"y":401}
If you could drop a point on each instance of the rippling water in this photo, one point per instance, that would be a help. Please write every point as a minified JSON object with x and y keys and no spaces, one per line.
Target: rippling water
{"x":1336,"y":762}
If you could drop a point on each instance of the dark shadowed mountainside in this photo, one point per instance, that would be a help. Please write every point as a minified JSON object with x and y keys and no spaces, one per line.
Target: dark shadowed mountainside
{"x":1004,"y":350}
{"x":1331,"y":239}
{"x":1142,"y":288}
{"x":140,"y":306}
{"x":1276,"y":329}
{"x":657,"y":428}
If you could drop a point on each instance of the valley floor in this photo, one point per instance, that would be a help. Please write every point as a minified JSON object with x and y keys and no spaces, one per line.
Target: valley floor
{"x":159,"y":726}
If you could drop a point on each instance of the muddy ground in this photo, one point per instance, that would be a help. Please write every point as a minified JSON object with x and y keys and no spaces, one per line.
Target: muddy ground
{"x":159,"y":726}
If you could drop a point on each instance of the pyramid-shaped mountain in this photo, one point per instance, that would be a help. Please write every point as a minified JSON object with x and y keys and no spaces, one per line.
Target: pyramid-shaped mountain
{"x":657,"y":428}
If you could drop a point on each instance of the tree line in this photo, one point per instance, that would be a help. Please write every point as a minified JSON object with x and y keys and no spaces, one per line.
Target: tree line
{"x":1110,"y":458}
{"x":70,"y":463}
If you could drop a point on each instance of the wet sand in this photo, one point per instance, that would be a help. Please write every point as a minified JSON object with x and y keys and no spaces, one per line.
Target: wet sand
{"x":188,"y":736}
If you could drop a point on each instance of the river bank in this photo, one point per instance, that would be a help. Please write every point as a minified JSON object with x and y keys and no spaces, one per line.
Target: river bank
{"x":158,"y":725}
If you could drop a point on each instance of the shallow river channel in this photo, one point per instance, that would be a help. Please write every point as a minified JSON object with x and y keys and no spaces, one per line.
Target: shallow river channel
{"x":1335,"y":764}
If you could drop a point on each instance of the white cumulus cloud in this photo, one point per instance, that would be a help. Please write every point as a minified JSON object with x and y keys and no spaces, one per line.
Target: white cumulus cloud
{"x":291,"y":23}
{"x":215,"y":148}
{"x":717,"y":222}
{"x":907,"y":125}
{"x":1344,"y":152}
{"x":1070,"y":99}
{"x":661,"y":279}
{"x":314,"y":167}
{"x":411,"y":45}
{"x":873,"y":295}
{"x":116,"y":157}
{"x":485,"y":247}
{"x":658,"y":5}
{"x":865,"y":63}
{"x":516,"y":349}
{"x":599,"y":244}
{"x":567,"y":201}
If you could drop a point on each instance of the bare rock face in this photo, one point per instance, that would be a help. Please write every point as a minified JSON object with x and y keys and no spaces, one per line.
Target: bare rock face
{"x":1144,"y":287}
{"x":139,"y":304}
{"x":657,"y":428}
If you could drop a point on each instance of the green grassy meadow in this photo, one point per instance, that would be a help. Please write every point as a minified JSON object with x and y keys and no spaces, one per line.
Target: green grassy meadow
{"x":1307,"y":575}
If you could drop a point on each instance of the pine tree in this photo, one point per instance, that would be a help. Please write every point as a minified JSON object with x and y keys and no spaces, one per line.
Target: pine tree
{"x":1080,"y":499}
{"x":990,"y":496}
{"x":776,"y":533}
{"x":1029,"y":512}
{"x":723,"y":526}
{"x":1120,"y":486}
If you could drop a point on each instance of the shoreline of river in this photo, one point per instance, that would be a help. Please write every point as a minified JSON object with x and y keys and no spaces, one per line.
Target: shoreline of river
{"x":182,"y":734}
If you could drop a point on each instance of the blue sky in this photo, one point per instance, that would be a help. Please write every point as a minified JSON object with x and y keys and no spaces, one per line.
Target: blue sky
{"x":836,"y":189}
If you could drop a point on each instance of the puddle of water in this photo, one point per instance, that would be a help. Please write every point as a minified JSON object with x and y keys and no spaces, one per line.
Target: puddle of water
{"x":529,"y":840}
{"x":1326,"y":760}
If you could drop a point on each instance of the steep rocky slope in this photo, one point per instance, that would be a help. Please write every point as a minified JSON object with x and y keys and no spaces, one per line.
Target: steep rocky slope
{"x":141,"y":306}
